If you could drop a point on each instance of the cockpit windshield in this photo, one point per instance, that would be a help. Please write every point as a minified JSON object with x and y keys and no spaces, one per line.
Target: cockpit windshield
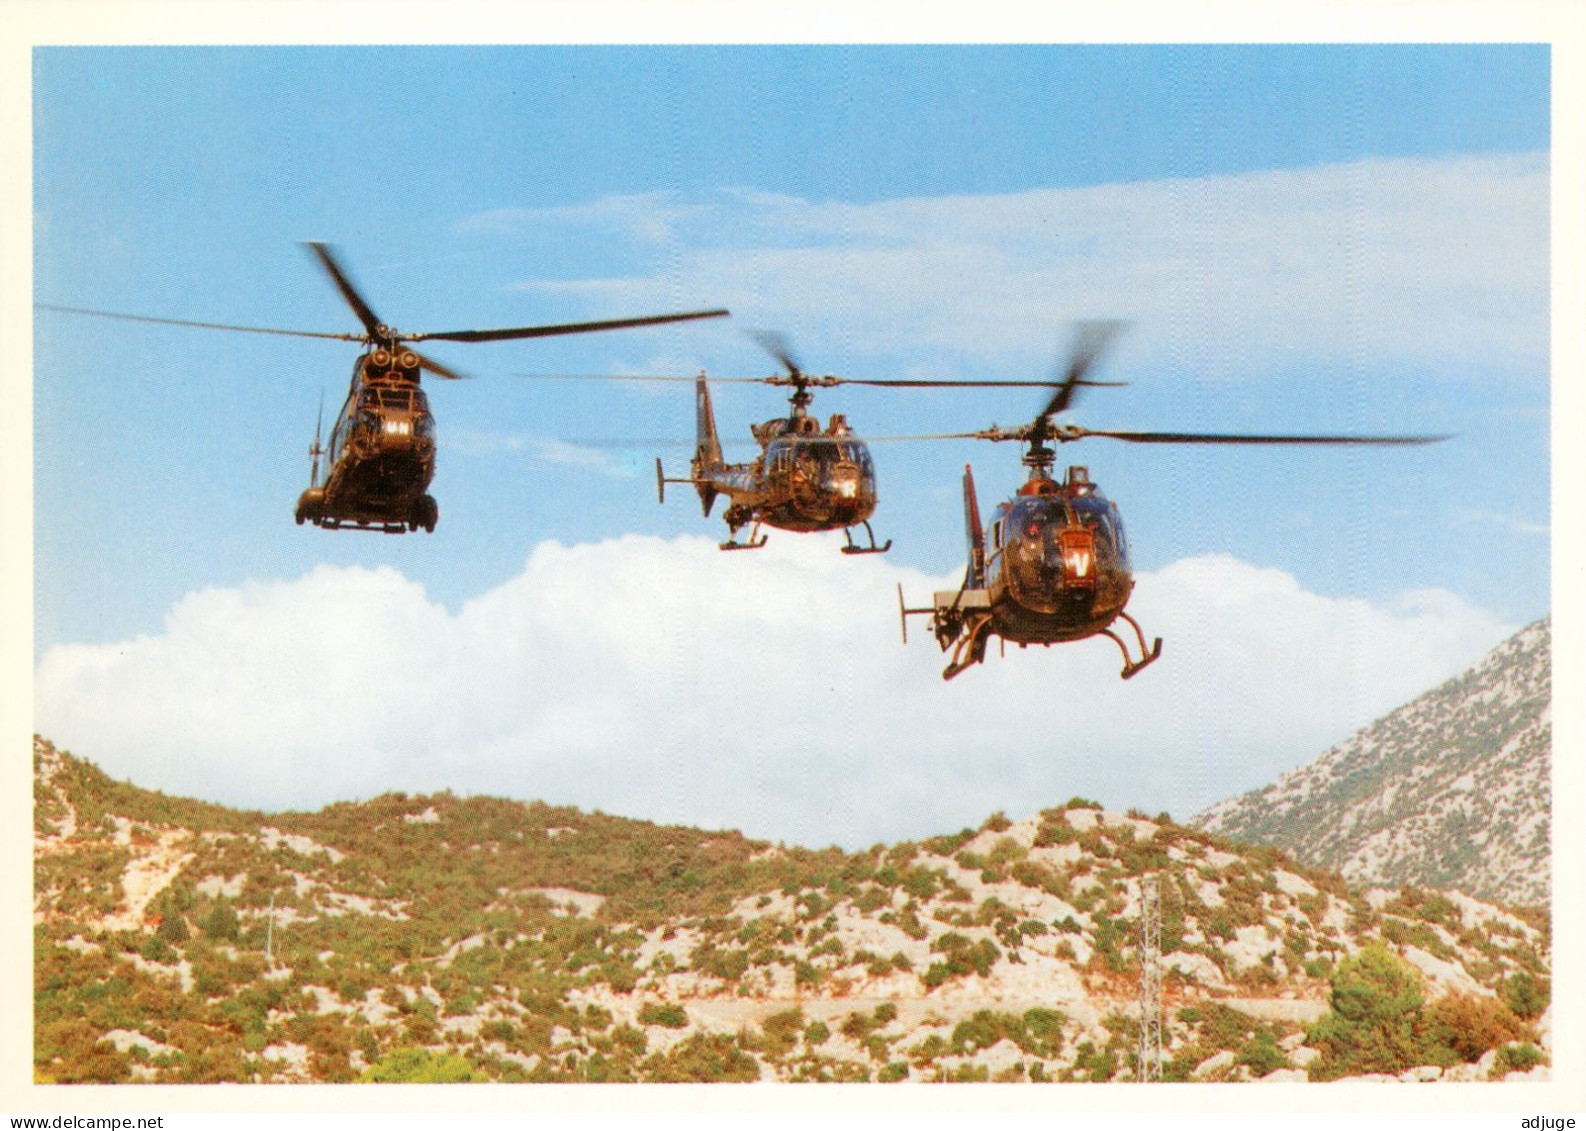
{"x":1051,"y":544}
{"x":822,"y":455}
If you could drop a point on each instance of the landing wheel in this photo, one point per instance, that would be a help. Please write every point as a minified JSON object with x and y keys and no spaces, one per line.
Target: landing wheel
{"x":310,"y":506}
{"x":426,"y":514}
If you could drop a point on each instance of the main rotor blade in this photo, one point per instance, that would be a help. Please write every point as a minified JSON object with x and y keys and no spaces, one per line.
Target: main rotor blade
{"x":1089,"y":341}
{"x":777,"y":345}
{"x":927,"y":383}
{"x":989,"y":435}
{"x":438,"y":369}
{"x":200,"y":325}
{"x":566,"y":328}
{"x":823,"y":382}
{"x":647,"y":377}
{"x":1239,"y":438}
{"x":370,"y":320}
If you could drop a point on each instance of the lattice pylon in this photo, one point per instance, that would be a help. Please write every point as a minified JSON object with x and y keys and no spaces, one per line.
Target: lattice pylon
{"x":1150,"y":978}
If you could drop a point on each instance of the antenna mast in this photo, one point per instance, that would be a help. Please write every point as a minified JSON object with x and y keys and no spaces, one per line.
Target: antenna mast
{"x":1150,"y":978}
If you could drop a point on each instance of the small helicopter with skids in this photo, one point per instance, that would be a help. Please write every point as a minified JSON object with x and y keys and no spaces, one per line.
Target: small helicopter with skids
{"x":805,"y":478}
{"x":382,"y":444}
{"x":1052,"y":565}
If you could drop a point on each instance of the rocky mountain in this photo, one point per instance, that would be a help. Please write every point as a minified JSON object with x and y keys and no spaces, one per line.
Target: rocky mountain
{"x":1451,"y":791}
{"x":436,"y":938}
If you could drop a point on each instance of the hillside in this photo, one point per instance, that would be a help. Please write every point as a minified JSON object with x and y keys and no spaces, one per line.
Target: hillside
{"x":1451,"y":791}
{"x":445,"y":939}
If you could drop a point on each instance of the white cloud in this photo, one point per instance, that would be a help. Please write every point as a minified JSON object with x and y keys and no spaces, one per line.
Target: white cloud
{"x":1439,"y":261}
{"x":1469,"y":517}
{"x":547,"y":449}
{"x":766,"y":691}
{"x":647,"y":217}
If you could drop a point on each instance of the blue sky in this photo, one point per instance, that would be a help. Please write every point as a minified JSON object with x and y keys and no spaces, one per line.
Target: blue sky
{"x":1302,"y":238}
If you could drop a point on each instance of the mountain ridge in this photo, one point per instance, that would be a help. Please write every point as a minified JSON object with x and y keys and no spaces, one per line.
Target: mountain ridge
{"x":435,"y":938}
{"x":1451,"y":790}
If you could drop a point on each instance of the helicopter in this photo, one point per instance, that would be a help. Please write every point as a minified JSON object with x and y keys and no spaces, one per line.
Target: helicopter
{"x":382,"y":445}
{"x":1052,"y":566}
{"x":806,"y":478}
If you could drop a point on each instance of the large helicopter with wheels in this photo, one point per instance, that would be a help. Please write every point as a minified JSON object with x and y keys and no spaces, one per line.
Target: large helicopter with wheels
{"x":382,"y":444}
{"x":1052,"y":565}
{"x":805,"y":478}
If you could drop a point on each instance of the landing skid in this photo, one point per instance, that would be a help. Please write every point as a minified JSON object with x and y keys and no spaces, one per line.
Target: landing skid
{"x":970,"y":648}
{"x":756,"y":539}
{"x":850,"y":548}
{"x":1147,"y":657}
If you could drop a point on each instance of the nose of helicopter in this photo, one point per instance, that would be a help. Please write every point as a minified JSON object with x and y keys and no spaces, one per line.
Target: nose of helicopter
{"x":844,"y":482}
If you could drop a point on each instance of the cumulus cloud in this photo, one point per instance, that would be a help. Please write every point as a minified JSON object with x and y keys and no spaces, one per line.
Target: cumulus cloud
{"x":1439,"y":261}
{"x":765,"y":691}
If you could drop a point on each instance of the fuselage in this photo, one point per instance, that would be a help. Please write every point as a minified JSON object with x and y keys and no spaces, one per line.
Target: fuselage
{"x":804,"y":480}
{"x":1057,"y":563}
{"x":382,"y":446}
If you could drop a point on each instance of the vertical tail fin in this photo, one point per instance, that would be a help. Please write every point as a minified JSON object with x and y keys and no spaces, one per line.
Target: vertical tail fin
{"x":975,"y":578}
{"x":709,"y":450}
{"x":707,"y":453}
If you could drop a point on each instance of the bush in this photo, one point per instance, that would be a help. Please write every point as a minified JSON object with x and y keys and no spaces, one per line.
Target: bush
{"x":670,"y":1015}
{"x":1526,"y":996}
{"x":780,"y":1031}
{"x":1470,"y":1025}
{"x":703,"y":1058}
{"x":173,"y":928}
{"x":418,"y":1066}
{"x":1262,"y":1054}
{"x":221,"y":922}
{"x":1517,"y":1058}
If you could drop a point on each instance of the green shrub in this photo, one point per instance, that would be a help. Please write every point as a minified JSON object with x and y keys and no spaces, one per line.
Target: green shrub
{"x":1517,"y":1058}
{"x":670,"y":1015}
{"x":780,"y":1031}
{"x":173,"y":928}
{"x":221,"y":922}
{"x":1527,"y":996}
{"x":418,"y":1066}
{"x":1262,"y":1054}
{"x":702,"y":1058}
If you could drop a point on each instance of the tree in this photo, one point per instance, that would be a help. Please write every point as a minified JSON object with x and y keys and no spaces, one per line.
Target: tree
{"x":1376,"y":1023}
